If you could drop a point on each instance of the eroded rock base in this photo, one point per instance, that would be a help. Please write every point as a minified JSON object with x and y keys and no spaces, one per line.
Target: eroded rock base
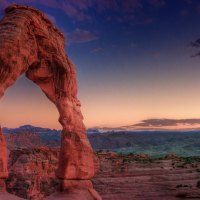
{"x":7,"y":196}
{"x":76,"y":190}
{"x":3,"y":158}
{"x":4,"y":195}
{"x":2,"y":185}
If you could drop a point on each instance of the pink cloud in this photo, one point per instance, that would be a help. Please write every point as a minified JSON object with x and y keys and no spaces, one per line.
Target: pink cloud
{"x":51,"y":18}
{"x":77,"y":9}
{"x":65,"y":6}
{"x":125,"y":5}
{"x":80,"y":36}
{"x":73,"y":12}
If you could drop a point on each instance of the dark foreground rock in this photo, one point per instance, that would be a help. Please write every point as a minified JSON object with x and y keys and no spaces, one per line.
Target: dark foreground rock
{"x":32,"y":172}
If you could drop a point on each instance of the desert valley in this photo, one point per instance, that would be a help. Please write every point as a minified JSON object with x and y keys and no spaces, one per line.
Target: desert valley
{"x":99,"y":100}
{"x":125,"y":170}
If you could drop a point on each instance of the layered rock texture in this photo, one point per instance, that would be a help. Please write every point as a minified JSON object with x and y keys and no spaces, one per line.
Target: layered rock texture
{"x":30,"y":44}
{"x":119,"y":177}
{"x":3,"y":161}
{"x":4,"y":171}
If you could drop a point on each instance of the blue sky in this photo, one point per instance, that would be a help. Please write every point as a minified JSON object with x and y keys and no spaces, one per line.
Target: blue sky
{"x":132,"y":57}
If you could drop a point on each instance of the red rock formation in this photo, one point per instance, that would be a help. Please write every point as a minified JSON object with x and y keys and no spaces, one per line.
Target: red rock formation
{"x":36,"y":184}
{"x":120,"y":177}
{"x":23,"y":140}
{"x":3,"y":161}
{"x":32,"y":172}
{"x":29,"y":43}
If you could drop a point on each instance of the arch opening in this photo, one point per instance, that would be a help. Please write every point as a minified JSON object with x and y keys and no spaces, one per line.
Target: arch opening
{"x":25,"y":104}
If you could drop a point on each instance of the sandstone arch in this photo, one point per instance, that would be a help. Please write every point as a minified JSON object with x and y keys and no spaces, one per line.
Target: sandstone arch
{"x":31,"y":44}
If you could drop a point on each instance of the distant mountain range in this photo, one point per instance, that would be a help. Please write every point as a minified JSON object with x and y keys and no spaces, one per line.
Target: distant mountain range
{"x":144,"y":125}
{"x":156,"y":143}
{"x":31,"y":136}
{"x":40,"y":130}
{"x":29,"y":128}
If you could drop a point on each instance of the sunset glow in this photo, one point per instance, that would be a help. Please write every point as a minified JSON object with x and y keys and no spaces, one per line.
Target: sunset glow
{"x":129,"y":69}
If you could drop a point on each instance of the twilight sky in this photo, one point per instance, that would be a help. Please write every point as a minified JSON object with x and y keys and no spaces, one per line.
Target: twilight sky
{"x":132,"y":57}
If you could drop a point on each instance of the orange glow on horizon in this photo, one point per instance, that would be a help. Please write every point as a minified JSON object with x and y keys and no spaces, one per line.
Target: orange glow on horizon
{"x":110,"y":107}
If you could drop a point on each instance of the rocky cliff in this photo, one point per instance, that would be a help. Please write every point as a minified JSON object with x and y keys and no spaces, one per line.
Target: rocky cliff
{"x":127,"y":177}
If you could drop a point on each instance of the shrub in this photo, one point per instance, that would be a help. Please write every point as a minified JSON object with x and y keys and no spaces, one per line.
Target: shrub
{"x":198,"y":184}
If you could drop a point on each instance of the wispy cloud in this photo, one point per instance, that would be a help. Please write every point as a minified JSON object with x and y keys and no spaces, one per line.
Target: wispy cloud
{"x":159,"y":124}
{"x":51,"y":18}
{"x":195,"y":44}
{"x":74,"y":12}
{"x":80,"y":36}
{"x":78,"y":9}
{"x":167,"y":122}
{"x":67,"y":6}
